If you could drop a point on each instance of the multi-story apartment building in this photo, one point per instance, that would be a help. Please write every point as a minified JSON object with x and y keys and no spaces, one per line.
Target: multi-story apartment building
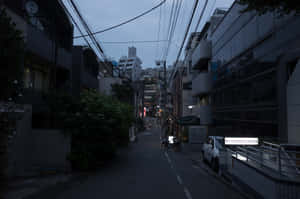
{"x":130,"y":66}
{"x":48,"y":35}
{"x":254,"y":67}
{"x":85,"y":69}
{"x":151,"y":93}
{"x":196,"y":79}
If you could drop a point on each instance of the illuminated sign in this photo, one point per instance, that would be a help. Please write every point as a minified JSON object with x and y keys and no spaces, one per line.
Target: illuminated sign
{"x":241,"y":141}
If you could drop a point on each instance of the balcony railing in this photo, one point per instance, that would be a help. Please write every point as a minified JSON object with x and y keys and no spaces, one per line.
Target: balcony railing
{"x":38,"y":43}
{"x":202,"y":84}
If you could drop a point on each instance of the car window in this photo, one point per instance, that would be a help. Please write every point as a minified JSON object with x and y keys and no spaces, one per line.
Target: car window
{"x":220,"y":144}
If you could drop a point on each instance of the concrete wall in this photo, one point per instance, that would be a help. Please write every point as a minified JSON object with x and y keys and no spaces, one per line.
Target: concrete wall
{"x":35,"y":150}
{"x":20,"y":149}
{"x":261,"y":183}
{"x":293,"y":106}
{"x":106,"y":83}
{"x":256,"y":181}
{"x":51,"y":148}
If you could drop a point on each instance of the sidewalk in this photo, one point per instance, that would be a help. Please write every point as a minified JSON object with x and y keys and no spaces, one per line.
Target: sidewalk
{"x":24,"y":187}
{"x":193,"y":152}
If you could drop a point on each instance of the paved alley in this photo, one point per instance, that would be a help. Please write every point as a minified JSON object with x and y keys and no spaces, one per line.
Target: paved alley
{"x":146,"y":171}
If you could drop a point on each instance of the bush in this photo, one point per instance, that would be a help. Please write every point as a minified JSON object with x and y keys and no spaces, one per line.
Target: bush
{"x":98,"y":125}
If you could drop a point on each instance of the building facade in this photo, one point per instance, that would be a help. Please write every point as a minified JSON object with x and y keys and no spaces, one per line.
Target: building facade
{"x":253,"y":63}
{"x":151,"y":91}
{"x":130,"y":66}
{"x":85,"y":70}
{"x":48,"y":36}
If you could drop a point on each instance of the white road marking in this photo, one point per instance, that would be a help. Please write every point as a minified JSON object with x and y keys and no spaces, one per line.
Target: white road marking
{"x":169,"y":161}
{"x":166,"y":154}
{"x":179,"y":179}
{"x":187,"y":193}
{"x":168,"y":158}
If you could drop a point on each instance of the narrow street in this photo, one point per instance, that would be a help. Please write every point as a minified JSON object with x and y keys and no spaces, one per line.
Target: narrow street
{"x":146,"y":171}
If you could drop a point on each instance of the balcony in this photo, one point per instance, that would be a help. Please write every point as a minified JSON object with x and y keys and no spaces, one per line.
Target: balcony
{"x":187,"y":79}
{"x":201,"y":54}
{"x":204,"y":113}
{"x":38,"y":43}
{"x":202,"y":84}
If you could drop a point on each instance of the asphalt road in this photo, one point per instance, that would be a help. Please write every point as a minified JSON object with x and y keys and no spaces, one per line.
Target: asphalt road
{"x":145,"y":171}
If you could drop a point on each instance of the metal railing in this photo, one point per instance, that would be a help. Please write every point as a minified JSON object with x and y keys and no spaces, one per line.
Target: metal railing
{"x":272,"y":158}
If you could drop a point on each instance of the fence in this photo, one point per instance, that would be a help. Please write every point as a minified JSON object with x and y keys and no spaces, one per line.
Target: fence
{"x":271,"y":170}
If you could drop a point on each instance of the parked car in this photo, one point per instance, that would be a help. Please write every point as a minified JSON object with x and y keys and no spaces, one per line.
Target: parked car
{"x":214,"y":152}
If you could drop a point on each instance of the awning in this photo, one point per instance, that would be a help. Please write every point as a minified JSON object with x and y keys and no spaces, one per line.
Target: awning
{"x":189,"y":120}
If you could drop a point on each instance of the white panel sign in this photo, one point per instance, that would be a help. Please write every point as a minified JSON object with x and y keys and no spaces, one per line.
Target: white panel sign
{"x":240,"y":141}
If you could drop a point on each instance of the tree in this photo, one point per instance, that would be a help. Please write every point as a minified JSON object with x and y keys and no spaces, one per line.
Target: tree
{"x":11,"y":57}
{"x":280,"y":6}
{"x":123,"y":92}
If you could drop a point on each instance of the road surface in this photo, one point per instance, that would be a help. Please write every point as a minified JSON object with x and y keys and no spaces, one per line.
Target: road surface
{"x":147,"y":172}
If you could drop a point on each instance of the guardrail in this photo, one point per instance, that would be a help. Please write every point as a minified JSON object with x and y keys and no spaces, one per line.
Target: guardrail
{"x":279,"y":160}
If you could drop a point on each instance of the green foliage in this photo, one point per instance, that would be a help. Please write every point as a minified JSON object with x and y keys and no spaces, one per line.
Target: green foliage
{"x":11,"y":55}
{"x":98,"y":125}
{"x":280,"y":6}
{"x":123,"y":92}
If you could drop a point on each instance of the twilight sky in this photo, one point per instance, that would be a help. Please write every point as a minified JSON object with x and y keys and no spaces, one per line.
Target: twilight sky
{"x":100,"y":14}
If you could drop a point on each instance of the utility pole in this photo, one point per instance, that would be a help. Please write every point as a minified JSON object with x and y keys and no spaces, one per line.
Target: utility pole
{"x":164,"y":93}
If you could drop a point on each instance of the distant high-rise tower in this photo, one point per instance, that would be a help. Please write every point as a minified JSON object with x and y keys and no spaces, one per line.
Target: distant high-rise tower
{"x":130,"y":66}
{"x":131,"y":51}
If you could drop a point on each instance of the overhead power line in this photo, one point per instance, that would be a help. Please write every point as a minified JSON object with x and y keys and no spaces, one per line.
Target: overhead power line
{"x":79,"y":29}
{"x":128,"y":42}
{"x":187,"y":30}
{"x":201,"y":15}
{"x":158,"y":31}
{"x":173,"y":26}
{"x":125,"y":22}
{"x":169,"y":29}
{"x":75,"y":23}
{"x":87,"y":29}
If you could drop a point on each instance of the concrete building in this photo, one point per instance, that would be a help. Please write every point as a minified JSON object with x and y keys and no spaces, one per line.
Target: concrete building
{"x":36,"y":145}
{"x":105,"y":84}
{"x":48,"y":57}
{"x":254,"y":68}
{"x":193,"y":89}
{"x":85,"y":70}
{"x":150,"y":78}
{"x":106,"y":68}
{"x":130,"y":66}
